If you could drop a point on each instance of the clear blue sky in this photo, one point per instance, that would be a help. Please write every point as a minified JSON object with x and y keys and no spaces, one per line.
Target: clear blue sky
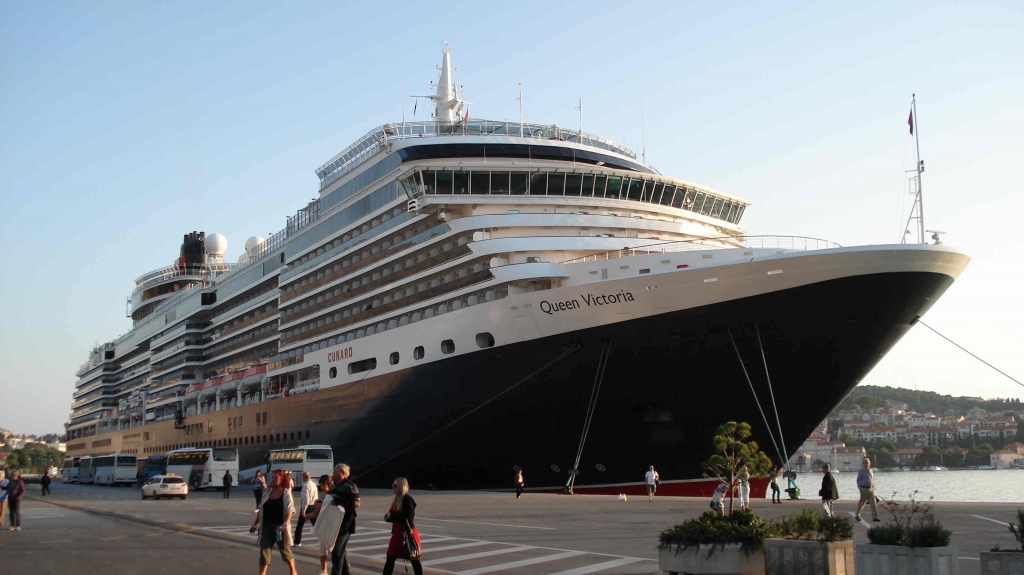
{"x":124,"y":125}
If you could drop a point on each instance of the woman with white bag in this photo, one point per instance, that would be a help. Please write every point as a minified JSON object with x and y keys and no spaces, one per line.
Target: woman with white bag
{"x":326,"y":520}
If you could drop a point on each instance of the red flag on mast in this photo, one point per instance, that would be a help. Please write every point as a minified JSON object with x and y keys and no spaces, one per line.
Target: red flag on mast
{"x":910,"y":122}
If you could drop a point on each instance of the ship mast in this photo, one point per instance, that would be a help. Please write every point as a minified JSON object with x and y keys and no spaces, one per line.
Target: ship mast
{"x":917,"y":213}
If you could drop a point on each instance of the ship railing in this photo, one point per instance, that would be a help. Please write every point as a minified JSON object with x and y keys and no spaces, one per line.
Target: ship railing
{"x":173,"y":271}
{"x":381,"y":137}
{"x":786,"y":243}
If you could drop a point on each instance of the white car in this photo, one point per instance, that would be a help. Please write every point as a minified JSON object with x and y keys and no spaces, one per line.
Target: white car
{"x":165,"y":486}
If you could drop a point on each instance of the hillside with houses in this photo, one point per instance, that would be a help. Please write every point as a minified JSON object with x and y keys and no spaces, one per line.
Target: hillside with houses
{"x":902,"y":428}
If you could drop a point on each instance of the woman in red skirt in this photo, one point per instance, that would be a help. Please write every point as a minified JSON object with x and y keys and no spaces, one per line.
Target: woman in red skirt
{"x":403,"y":512}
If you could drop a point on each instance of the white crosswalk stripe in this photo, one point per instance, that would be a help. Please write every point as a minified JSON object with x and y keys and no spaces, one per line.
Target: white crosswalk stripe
{"x":371,"y":543}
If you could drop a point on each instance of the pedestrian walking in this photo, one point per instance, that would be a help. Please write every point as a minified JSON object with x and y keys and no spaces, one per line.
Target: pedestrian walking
{"x":15,"y":490}
{"x":45,"y":482}
{"x":307,"y":501}
{"x":273,"y":522}
{"x":652,"y":480}
{"x":866,"y":485}
{"x":401,"y":516}
{"x":776,"y":492}
{"x":520,"y":482}
{"x":346,"y":494}
{"x":3,"y":494}
{"x":138,"y":478}
{"x":744,"y":477}
{"x":718,"y":498}
{"x":259,"y":485}
{"x":828,"y":492}
{"x":323,"y":486}
{"x":227,"y":481}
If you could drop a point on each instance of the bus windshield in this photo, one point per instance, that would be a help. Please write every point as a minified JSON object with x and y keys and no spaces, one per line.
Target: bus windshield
{"x":225,"y":454}
{"x":319,"y":454}
{"x":188,"y":458}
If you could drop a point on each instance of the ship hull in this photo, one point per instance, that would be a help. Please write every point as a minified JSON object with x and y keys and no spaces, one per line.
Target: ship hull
{"x":468,"y":421}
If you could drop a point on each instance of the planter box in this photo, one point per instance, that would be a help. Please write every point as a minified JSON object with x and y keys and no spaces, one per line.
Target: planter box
{"x":731,"y":559}
{"x":1002,"y":563}
{"x":786,"y":556}
{"x":899,"y":560}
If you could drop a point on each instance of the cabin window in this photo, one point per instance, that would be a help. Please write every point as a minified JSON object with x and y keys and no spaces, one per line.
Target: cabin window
{"x":519,"y":183}
{"x":484,"y":340}
{"x":363,"y":365}
{"x":556,"y":184}
{"x":573,"y":182}
{"x":447,"y":346}
{"x":418,"y":352}
{"x":444,"y":182}
{"x":499,"y":183}
{"x":538,"y":183}
{"x":461,"y":180}
{"x":333,"y":372}
{"x":480,"y":183}
{"x":394,"y":358}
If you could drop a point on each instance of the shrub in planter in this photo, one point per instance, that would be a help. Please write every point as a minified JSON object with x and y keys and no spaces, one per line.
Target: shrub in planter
{"x":911,"y":536}
{"x":814,"y":544}
{"x":713,"y":543}
{"x":999,"y":561}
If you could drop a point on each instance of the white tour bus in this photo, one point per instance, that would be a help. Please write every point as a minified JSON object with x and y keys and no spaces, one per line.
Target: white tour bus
{"x":204,"y":466}
{"x":114,"y":469}
{"x":86,"y":471}
{"x":69,"y":474}
{"x":316,"y":459}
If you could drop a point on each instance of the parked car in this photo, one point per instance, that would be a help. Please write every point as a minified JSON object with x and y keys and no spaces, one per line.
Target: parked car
{"x":165,"y":486}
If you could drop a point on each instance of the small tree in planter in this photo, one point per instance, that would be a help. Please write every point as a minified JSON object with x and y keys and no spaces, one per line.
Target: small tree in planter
{"x":813,"y":544}
{"x":999,"y":561}
{"x":911,"y":536}
{"x":721,"y":544}
{"x":734,"y":449}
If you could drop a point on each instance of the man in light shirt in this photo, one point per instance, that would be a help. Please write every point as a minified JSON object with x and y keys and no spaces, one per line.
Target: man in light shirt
{"x":307,"y":501}
{"x":866,"y":484}
{"x":652,"y":479}
{"x":718,"y":497}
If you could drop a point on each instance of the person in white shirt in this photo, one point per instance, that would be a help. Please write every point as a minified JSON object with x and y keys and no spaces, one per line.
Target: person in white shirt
{"x":652,"y":479}
{"x":307,"y":502}
{"x":717,"y":498}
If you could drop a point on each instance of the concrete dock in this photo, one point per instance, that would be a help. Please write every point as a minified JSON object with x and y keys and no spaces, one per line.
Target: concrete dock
{"x":88,"y":529}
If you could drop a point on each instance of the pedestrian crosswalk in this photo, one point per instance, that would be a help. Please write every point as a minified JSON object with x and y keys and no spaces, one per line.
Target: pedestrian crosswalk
{"x":464,"y":556}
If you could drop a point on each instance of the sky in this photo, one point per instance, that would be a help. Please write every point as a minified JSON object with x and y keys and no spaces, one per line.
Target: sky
{"x":124,"y":125}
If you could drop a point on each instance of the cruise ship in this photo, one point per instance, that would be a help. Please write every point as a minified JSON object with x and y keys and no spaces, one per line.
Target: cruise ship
{"x":467,"y":298}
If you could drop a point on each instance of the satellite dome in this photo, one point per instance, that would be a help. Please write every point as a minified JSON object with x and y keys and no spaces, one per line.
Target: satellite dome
{"x":251,"y":243}
{"x":216,"y":245}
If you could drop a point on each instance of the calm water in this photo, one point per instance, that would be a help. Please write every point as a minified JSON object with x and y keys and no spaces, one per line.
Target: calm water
{"x":981,"y":485}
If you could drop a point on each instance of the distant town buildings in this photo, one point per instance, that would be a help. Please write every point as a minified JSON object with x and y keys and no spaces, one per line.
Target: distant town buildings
{"x":898,"y":424}
{"x":1010,"y":456}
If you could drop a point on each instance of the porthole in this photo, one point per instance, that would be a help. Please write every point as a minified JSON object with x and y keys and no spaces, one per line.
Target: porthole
{"x":418,"y":352}
{"x":334,"y":372}
{"x":394,"y":358}
{"x":484,"y":340}
{"x":447,"y":346}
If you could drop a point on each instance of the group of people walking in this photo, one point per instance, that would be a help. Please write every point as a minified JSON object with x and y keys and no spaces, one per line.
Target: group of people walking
{"x":332,"y":501}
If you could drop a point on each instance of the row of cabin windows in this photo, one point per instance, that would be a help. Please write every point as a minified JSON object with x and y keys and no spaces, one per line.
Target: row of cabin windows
{"x":638,"y":189}
{"x":483,"y":340}
{"x":344,"y":240}
{"x":234,"y":441}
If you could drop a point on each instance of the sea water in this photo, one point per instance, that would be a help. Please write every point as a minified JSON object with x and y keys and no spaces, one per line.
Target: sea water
{"x":996,"y":485}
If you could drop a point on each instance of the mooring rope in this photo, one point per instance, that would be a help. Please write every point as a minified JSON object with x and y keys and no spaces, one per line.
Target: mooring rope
{"x":532,"y":374}
{"x":756,"y":400}
{"x":591,"y":407}
{"x":771,"y":394}
{"x":1007,"y":376}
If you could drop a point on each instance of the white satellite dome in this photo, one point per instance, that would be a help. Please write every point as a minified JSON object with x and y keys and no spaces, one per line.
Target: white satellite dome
{"x":251,"y":243}
{"x":216,"y":245}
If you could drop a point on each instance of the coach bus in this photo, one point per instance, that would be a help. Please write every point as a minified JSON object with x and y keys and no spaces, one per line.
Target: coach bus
{"x":316,"y":459}
{"x":204,"y":466}
{"x":69,"y":473}
{"x":86,"y":471}
{"x":152,"y":466}
{"x":114,"y":469}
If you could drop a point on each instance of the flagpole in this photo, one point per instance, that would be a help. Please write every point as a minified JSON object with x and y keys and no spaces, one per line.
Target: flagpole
{"x":920,"y":169}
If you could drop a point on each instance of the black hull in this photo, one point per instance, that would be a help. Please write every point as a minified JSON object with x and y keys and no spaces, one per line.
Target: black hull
{"x":670,"y":380}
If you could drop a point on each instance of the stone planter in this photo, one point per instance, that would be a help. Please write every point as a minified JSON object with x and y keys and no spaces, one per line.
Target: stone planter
{"x":1002,"y":563}
{"x":899,"y":560}
{"x":729,"y":560}
{"x":786,"y":556}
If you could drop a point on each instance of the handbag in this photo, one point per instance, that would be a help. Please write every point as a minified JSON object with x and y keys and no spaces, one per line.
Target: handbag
{"x":410,"y":547}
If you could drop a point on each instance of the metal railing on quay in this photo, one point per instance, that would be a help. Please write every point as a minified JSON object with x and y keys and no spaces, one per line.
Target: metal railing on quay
{"x":788,"y":243}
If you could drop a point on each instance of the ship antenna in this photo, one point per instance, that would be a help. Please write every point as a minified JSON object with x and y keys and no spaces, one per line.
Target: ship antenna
{"x":580,"y":108}
{"x":643,"y":134}
{"x":917,"y":211}
{"x":521,"y":117}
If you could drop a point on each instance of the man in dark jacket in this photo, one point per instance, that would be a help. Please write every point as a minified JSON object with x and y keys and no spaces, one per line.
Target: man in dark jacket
{"x":45,"y":482}
{"x":346,"y":494}
{"x":227,"y":480}
{"x":15,"y":491}
{"x":828,"y":491}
